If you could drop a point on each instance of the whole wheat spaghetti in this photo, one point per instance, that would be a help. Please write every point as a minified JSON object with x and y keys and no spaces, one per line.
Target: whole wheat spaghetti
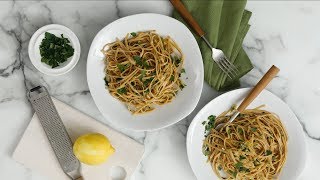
{"x":253,"y":146}
{"x":143,"y":70}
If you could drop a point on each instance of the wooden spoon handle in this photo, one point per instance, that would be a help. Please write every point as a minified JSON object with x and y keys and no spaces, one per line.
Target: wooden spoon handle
{"x":187,"y":16}
{"x":264,"y":81}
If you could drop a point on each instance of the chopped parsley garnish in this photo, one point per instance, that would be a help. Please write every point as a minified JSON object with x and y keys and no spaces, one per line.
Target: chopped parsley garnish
{"x":122,"y":67}
{"x":183,"y":70}
{"x":138,"y":60}
{"x":122,"y":90}
{"x":233,"y":173}
{"x":267,"y":153}
{"x":205,"y":150}
{"x":244,"y":169}
{"x":242,"y":157}
{"x":147,"y":91}
{"x":145,"y":64}
{"x":172,"y":78}
{"x":219,"y":168}
{"x":238,"y":165}
{"x":141,"y":62}
{"x":243,"y":147}
{"x":240,"y":131}
{"x":208,"y":125}
{"x":55,"y":50}
{"x":133,"y":34}
{"x":147,"y":81}
{"x":254,"y":129}
{"x":176,"y":60}
{"x":143,"y":73}
{"x":182,"y":86}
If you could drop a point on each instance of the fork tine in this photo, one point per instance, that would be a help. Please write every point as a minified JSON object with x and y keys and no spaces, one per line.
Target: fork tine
{"x":232,"y":65}
{"x":228,"y":68}
{"x":222,"y":68}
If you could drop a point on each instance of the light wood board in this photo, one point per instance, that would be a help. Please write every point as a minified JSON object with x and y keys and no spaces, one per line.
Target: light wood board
{"x":35,"y":152}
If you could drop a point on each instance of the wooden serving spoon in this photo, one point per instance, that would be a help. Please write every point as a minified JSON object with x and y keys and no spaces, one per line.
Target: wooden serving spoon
{"x":264,"y":81}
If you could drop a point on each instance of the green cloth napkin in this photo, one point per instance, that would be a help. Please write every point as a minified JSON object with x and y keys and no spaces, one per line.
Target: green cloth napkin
{"x":225,"y":24}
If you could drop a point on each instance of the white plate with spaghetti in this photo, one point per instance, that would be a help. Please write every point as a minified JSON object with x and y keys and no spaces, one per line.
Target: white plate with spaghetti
{"x":145,"y":72}
{"x":247,"y":160}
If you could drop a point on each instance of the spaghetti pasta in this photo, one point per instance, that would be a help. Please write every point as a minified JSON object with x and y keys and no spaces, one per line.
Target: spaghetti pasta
{"x":143,"y":70}
{"x":253,"y":146}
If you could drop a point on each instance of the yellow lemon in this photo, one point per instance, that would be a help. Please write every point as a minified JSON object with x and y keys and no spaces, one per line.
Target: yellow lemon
{"x":92,"y":149}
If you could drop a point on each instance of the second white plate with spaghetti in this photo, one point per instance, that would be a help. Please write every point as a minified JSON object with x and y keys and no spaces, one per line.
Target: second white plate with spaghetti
{"x":296,"y":157}
{"x":182,"y":105}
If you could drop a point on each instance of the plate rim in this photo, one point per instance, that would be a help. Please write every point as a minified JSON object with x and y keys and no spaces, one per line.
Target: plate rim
{"x":194,"y":122}
{"x":201,"y":77}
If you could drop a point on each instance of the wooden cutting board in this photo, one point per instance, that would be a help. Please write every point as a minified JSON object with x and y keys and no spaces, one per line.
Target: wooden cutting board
{"x":35,"y":152}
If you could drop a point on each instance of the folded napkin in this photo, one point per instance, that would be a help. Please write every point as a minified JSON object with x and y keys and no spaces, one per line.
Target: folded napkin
{"x":225,"y":24}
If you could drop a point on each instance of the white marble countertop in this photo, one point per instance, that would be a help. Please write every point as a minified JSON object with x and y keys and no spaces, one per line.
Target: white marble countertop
{"x":282,"y":33}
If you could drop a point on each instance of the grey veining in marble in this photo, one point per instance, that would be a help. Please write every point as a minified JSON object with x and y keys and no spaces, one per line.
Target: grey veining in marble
{"x":284,"y":33}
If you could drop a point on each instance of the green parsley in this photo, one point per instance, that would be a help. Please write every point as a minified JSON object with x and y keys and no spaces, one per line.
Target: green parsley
{"x":172,"y":78}
{"x":219,"y":168}
{"x":138,"y":60}
{"x":254,"y":129}
{"x":242,"y":157}
{"x":233,"y":173}
{"x":141,"y":62}
{"x":143,"y":73}
{"x":183,"y":70}
{"x":176,"y":60}
{"x":147,"y":81}
{"x":122,"y":90}
{"x":240,"y":130}
{"x":133,"y":34}
{"x":238,"y":165}
{"x":145,"y":64}
{"x":209,"y":124}
{"x":268,"y":152}
{"x":182,"y":86}
{"x":205,"y":151}
{"x":55,"y":50}
{"x":122,"y":67}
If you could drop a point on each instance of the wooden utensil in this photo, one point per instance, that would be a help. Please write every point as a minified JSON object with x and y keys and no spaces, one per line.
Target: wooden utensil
{"x":217,"y":54}
{"x":264,"y":81}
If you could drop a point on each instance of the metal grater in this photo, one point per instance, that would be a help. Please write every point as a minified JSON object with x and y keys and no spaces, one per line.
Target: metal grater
{"x":55,"y":131}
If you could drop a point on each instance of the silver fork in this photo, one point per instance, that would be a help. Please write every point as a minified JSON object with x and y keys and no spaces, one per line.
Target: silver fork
{"x":222,"y":61}
{"x":217,"y":54}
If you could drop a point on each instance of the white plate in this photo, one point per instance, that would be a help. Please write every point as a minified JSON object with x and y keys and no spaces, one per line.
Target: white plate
{"x":34,"y":51}
{"x":296,"y":158}
{"x":116,"y":112}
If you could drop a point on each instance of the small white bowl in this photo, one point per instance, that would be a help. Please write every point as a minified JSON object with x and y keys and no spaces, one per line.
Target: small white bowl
{"x":34,"y":51}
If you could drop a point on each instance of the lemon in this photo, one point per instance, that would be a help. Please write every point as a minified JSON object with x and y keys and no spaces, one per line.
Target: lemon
{"x":93,"y":148}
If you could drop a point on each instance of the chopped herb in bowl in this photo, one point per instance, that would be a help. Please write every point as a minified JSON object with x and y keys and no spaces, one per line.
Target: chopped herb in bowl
{"x":55,"y":50}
